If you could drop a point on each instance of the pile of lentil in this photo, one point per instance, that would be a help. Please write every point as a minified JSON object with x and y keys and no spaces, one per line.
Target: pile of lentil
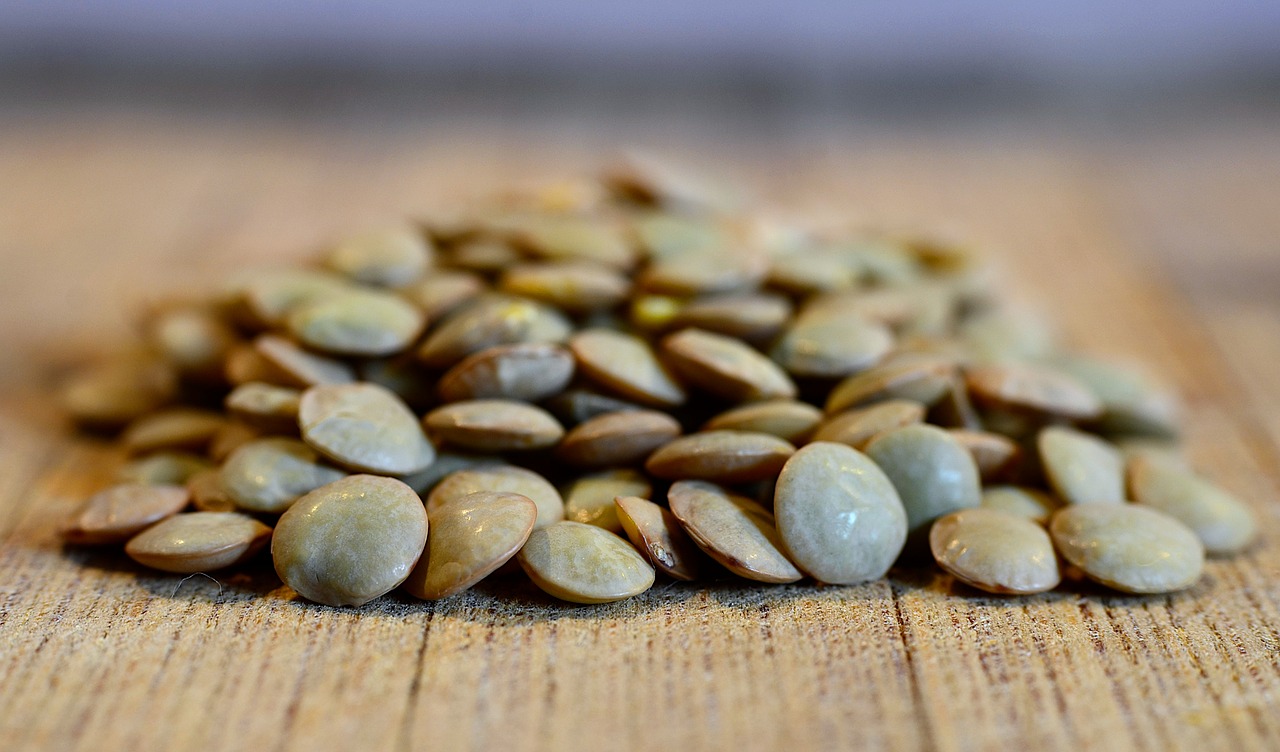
{"x":628,"y":376}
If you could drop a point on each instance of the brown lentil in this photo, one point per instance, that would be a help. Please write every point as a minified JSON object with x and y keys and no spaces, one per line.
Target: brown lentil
{"x":721,"y":456}
{"x":630,"y":310}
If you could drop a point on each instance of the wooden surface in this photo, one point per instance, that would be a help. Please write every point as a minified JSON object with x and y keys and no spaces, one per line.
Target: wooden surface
{"x":1160,"y":245}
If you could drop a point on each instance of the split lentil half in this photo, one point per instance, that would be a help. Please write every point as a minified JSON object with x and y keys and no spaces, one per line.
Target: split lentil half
{"x":628,"y":380}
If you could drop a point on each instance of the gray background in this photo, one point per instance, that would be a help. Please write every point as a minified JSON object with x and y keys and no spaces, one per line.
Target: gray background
{"x":1089,"y":60}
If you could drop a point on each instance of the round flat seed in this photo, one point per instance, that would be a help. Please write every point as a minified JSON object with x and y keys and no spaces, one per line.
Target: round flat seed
{"x":112,"y":393}
{"x":584,"y":564}
{"x":518,"y":372}
{"x":733,"y":530}
{"x":1002,"y":335}
{"x":786,"y":419}
{"x":572,"y":286}
{"x":573,"y":238}
{"x":293,"y":366}
{"x":663,"y":234}
{"x":490,"y":321}
{"x":721,"y":456}
{"x":810,"y":271}
{"x":933,"y":473}
{"x":365,"y":427}
{"x":856,"y":428}
{"x":1133,"y":402}
{"x":703,"y":272}
{"x":838,"y":515}
{"x":207,"y":493}
{"x":894,"y":307}
{"x":193,"y":339}
{"x":656,"y":532}
{"x":887,"y":263}
{"x":441,"y":291}
{"x":390,"y":257}
{"x":268,"y":475}
{"x":1223,"y":523}
{"x":935,"y":309}
{"x":265,"y":406}
{"x":825,"y":346}
{"x":1081,"y":469}
{"x":471,"y":537}
{"x":268,"y":297}
{"x":1128,"y":547}
{"x":162,"y":468}
{"x":995,"y":551}
{"x":618,"y":438}
{"x":753,"y":317}
{"x":1030,"y":503}
{"x":120,"y":512}
{"x":494,"y":425}
{"x":994,"y":454}
{"x":199,"y":542}
{"x":1035,"y":389}
{"x":589,"y":499}
{"x":175,"y":428}
{"x":919,"y":378}
{"x":351,"y":541}
{"x":505,"y":479}
{"x":725,"y":367}
{"x":365,"y":323}
{"x":625,"y":364}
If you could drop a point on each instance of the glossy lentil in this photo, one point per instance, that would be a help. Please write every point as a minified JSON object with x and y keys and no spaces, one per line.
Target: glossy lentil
{"x":350,"y":541}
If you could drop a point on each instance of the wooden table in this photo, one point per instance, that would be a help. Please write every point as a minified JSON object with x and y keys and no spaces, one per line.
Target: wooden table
{"x":1160,"y":245}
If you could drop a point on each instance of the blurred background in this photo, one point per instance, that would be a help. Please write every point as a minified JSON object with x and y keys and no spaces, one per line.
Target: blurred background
{"x":747,"y":66}
{"x":149,"y":144}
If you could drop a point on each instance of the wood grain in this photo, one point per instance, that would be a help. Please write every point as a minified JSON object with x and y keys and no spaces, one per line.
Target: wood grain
{"x":1162,"y":249}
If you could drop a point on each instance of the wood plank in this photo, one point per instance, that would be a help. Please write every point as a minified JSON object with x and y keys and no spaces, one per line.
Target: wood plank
{"x":98,"y":654}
